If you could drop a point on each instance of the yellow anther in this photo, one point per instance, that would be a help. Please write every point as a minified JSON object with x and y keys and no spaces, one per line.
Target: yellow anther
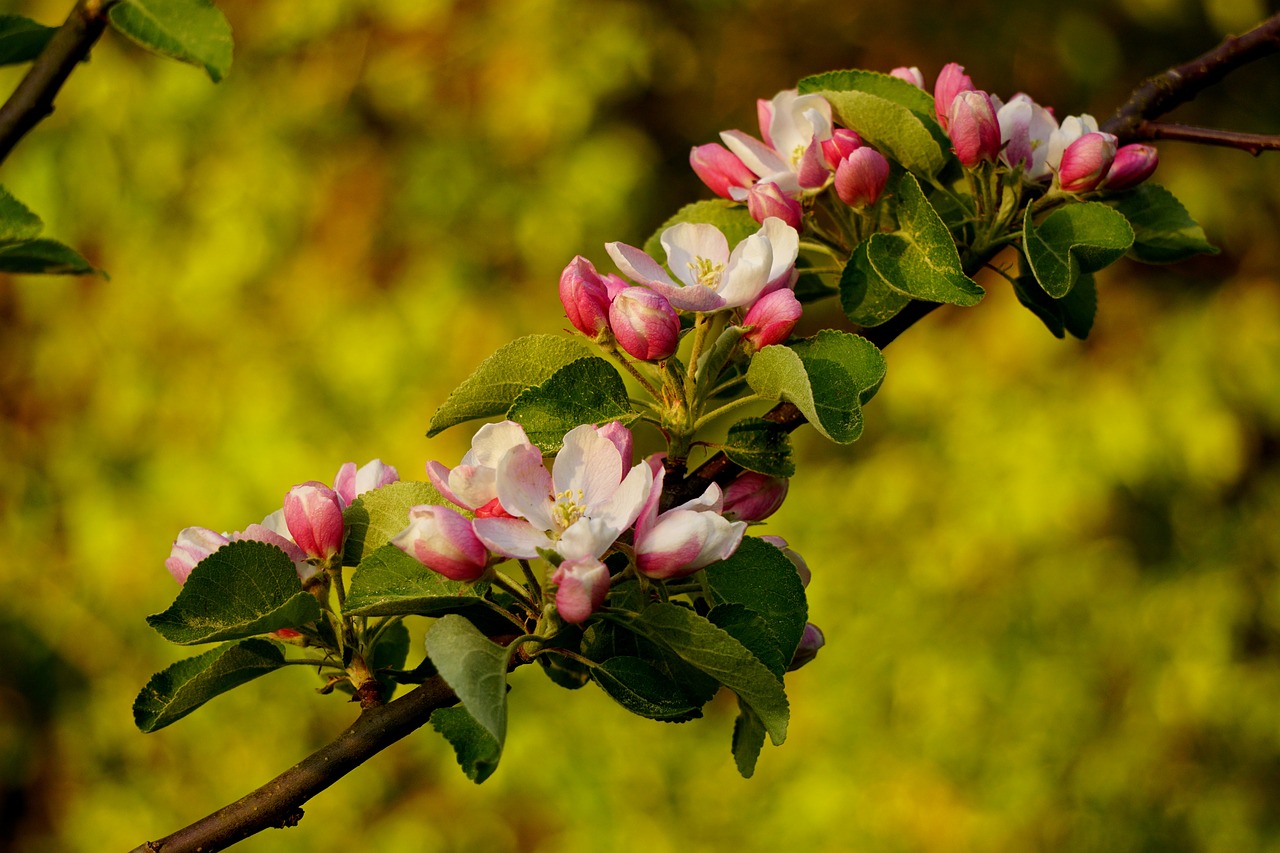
{"x":706,"y":272}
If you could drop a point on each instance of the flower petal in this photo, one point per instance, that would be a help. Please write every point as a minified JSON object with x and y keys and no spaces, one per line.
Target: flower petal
{"x":588,"y":463}
{"x":690,"y":245}
{"x":638,"y":266}
{"x":511,"y":537}
{"x":524,"y":486}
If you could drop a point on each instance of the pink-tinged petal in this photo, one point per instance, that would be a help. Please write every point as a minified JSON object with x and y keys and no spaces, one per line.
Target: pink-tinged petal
{"x":784,"y":242}
{"x":973,"y":128}
{"x":638,"y":266}
{"x":493,"y":509}
{"x":1015,"y":133}
{"x":191,"y":546}
{"x":586,"y":537}
{"x":589,"y":464}
{"x":623,"y":507}
{"x":720,"y":169}
{"x":797,"y":121}
{"x":313,"y":513}
{"x":472,"y":485}
{"x":772,"y":317}
{"x":511,"y":537}
{"x":697,"y":298}
{"x":621,"y":438}
{"x":757,"y":156}
{"x":344,"y":483}
{"x":861,"y":177}
{"x":524,"y":486}
{"x":648,"y":515}
{"x":842,"y":143}
{"x":644,"y":324}
{"x":711,"y":500}
{"x":584,"y":297}
{"x":683,"y":541}
{"x":690,"y":246}
{"x":1133,"y":165}
{"x":764,"y":117}
{"x":912,"y":75}
{"x":352,"y":482}
{"x":259,"y":533}
{"x":443,"y":541}
{"x":1086,"y":161}
{"x":765,"y":200}
{"x":754,"y":497}
{"x":492,"y":441}
{"x":438,"y":474}
{"x":951,"y":81}
{"x":581,"y":586}
{"x":812,"y":170}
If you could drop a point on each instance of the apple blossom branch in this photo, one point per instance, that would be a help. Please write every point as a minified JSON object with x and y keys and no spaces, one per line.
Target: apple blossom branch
{"x":32,"y":100}
{"x":278,"y":804}
{"x":1159,"y":95}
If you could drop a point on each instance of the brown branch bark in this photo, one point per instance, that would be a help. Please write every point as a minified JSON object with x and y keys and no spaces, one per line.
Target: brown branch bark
{"x":1170,"y":89}
{"x":32,"y":101}
{"x":279,"y":802}
{"x":1254,"y":143}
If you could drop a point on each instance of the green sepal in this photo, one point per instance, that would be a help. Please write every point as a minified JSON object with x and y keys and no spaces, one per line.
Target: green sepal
{"x":1163,"y":231}
{"x":191,"y":31}
{"x":477,"y":750}
{"x":587,"y":391}
{"x":828,"y":377}
{"x":183,"y":687}
{"x":243,"y":589}
{"x":502,"y":377}
{"x":1076,"y":238}
{"x":761,"y":446}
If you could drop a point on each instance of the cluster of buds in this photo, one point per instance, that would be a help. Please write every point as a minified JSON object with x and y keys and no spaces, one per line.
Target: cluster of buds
{"x":756,"y":278}
{"x":510,"y":506}
{"x":801,"y":152}
{"x":1026,"y":136}
{"x":308,"y":527}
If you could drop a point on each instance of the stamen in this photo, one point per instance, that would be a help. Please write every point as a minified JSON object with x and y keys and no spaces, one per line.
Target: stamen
{"x":706,"y":272}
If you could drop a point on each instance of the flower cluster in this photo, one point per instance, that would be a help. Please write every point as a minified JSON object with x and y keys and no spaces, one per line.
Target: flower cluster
{"x":592,"y":502}
{"x":308,"y":527}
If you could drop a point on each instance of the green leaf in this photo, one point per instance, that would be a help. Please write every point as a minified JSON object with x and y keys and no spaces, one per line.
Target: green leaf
{"x":192,"y":31}
{"x":47,"y":257}
{"x":389,"y":656}
{"x":243,"y":589}
{"x":17,"y":222}
{"x":1072,"y":313}
{"x":588,"y":391}
{"x":645,"y":690}
{"x":828,"y":377}
{"x":884,"y":86}
{"x":867,"y":299}
{"x":390,"y":583}
{"x":22,"y":39}
{"x":377,"y":516}
{"x":476,"y":668}
{"x":713,"y":651}
{"x":749,"y":628}
{"x":732,"y":218}
{"x":761,"y":446}
{"x":748,"y":739}
{"x":186,"y":685}
{"x":566,"y":672}
{"x":920,"y":258}
{"x":1077,"y":238}
{"x":501,"y":378}
{"x":901,"y":134}
{"x":760,"y":577}
{"x":1163,"y":231}
{"x":477,"y":750}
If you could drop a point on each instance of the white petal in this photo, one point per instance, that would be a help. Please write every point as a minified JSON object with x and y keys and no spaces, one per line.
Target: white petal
{"x":748,"y":271}
{"x":511,"y":537}
{"x":586,"y":537}
{"x":689,"y":245}
{"x":785,"y":242}
{"x":754,"y":154}
{"x":524,"y":486}
{"x":589,"y":463}
{"x":638,"y":266}
{"x":492,"y":441}
{"x":623,"y":507}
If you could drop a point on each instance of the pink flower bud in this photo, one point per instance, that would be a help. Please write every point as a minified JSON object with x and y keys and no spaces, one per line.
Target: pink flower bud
{"x":621,"y":438}
{"x":772,"y":317}
{"x":764,"y":116}
{"x":1133,"y":165}
{"x":443,"y":541}
{"x":270,"y":532}
{"x":192,"y":545}
{"x":645,"y":324}
{"x":973,"y":128}
{"x":1086,"y":161}
{"x":719,"y":168}
{"x":753,"y":496}
{"x":585,"y":297}
{"x":842,"y":143}
{"x":581,"y":588}
{"x":951,"y":81}
{"x":313,"y":514}
{"x":912,"y":75}
{"x":351,"y":482}
{"x":810,"y":641}
{"x":861,"y":177}
{"x":765,"y":200}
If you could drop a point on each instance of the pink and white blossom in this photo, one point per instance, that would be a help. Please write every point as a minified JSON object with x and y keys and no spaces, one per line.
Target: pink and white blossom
{"x":443,"y":541}
{"x":1071,"y":129}
{"x":313,"y":513}
{"x":274,"y":531}
{"x":912,"y":75}
{"x":351,"y":482}
{"x":708,"y":277}
{"x":1025,"y":130}
{"x":581,"y":586}
{"x":791,"y":155}
{"x":473,"y":483}
{"x":192,"y":545}
{"x":720,"y":169}
{"x":578,"y":509}
{"x":973,"y":128}
{"x":684,"y":538}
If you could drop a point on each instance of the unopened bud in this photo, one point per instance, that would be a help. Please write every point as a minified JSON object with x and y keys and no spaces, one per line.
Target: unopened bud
{"x":842,"y":143}
{"x":973,"y":128}
{"x":313,"y":514}
{"x":810,"y":641}
{"x":719,"y":168}
{"x":1133,"y":165}
{"x":912,"y":75}
{"x":443,"y":541}
{"x":1086,"y":161}
{"x":861,"y":177}
{"x":645,"y":324}
{"x":771,"y":319}
{"x":951,"y":81}
{"x":765,"y":200}
{"x":753,"y":496}
{"x":585,"y":297}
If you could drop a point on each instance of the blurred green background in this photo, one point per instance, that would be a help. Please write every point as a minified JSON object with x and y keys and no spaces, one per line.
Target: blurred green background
{"x":1047,"y":573}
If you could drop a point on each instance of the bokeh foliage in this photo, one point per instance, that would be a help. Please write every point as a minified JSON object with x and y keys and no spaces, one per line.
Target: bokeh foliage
{"x":1047,"y":572}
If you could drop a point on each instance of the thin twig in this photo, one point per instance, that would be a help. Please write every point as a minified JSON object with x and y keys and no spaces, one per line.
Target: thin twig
{"x":32,"y":101}
{"x":279,"y":802}
{"x":1254,"y":143}
{"x":1170,"y":89}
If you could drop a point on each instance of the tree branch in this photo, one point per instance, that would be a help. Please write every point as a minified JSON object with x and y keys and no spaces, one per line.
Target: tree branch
{"x":279,"y":802}
{"x":1254,"y":143}
{"x":1164,"y":92}
{"x":32,"y":101}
